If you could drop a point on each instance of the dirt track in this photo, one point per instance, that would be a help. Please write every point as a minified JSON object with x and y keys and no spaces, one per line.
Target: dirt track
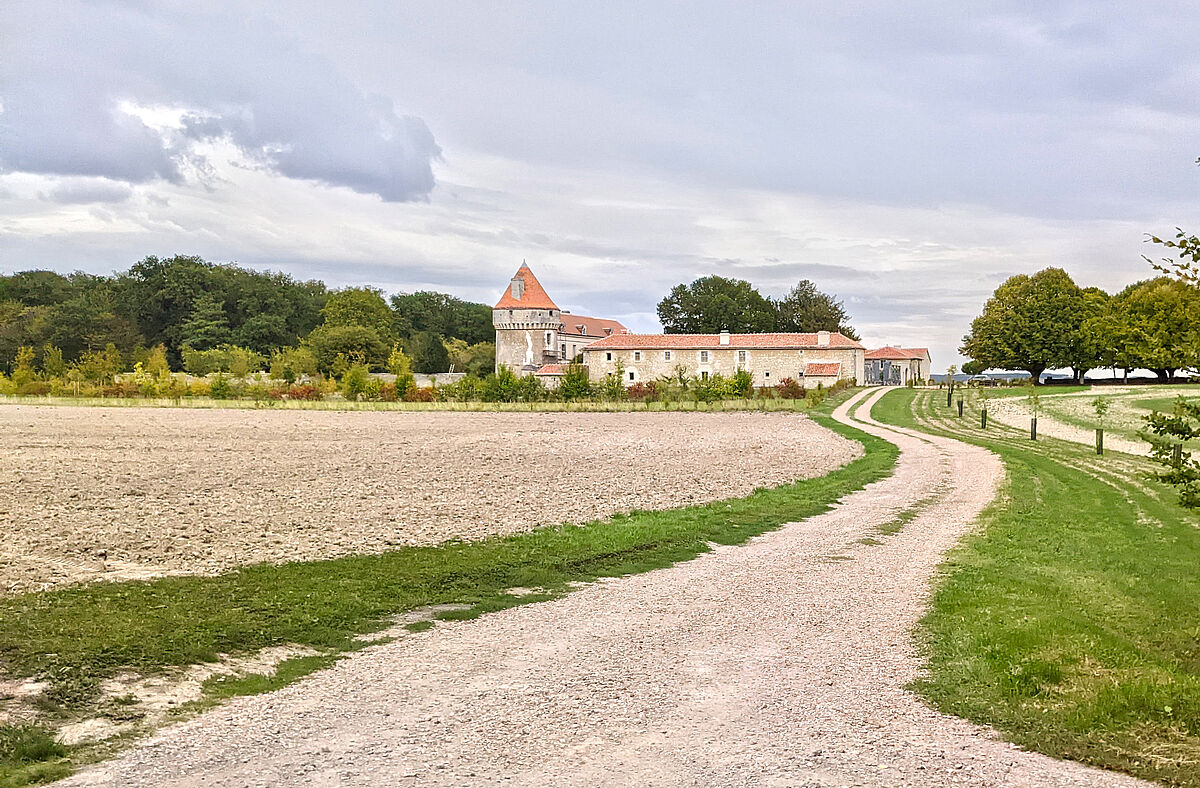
{"x":104,"y":493}
{"x":777,"y":663}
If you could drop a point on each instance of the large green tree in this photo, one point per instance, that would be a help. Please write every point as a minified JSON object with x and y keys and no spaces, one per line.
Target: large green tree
{"x":716,"y":303}
{"x":806,"y":309}
{"x":1158,"y":325}
{"x":337,"y":346}
{"x":1032,"y":323}
{"x":360,"y":306}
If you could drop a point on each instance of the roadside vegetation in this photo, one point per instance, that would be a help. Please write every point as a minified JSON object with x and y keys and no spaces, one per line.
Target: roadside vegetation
{"x":1069,"y":620}
{"x":76,"y":637}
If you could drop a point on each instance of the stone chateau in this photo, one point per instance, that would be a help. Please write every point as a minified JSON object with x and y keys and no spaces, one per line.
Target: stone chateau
{"x":535,"y":337}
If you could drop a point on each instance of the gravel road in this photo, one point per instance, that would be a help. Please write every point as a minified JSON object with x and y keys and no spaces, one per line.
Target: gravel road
{"x":116,"y":493}
{"x":781,"y":662}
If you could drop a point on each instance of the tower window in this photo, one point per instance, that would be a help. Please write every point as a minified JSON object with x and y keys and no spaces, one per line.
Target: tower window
{"x":703,"y":356}
{"x":666,"y":355}
{"x":637,"y":355}
{"x":608,"y":356}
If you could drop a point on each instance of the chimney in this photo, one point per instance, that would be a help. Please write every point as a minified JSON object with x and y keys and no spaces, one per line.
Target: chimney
{"x":822,"y":339}
{"x":724,"y":337}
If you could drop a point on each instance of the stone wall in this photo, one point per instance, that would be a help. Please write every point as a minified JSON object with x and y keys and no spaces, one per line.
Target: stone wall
{"x":768,"y":366}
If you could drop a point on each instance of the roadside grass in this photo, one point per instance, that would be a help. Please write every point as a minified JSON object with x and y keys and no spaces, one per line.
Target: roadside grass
{"x":29,"y":755}
{"x":75,"y":637}
{"x":1070,"y":620}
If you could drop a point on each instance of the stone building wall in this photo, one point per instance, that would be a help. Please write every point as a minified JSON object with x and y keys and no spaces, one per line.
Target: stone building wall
{"x":769,"y":366}
{"x":517,"y":330}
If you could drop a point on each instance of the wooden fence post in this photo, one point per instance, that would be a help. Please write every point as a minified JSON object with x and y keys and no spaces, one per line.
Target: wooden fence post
{"x":1099,"y":440}
{"x":983,"y":419}
{"x":1033,"y":429}
{"x":960,"y":407}
{"x":1177,"y":456}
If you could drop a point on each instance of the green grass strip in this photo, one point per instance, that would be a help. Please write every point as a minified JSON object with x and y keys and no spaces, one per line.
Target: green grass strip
{"x":77,"y":636}
{"x":1071,"y":620}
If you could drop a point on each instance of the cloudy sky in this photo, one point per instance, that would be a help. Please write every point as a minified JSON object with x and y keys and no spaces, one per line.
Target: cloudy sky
{"x":906,"y":156}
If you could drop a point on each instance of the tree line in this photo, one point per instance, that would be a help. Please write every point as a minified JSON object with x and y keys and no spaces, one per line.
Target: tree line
{"x":205,"y":314}
{"x":1046,"y":321}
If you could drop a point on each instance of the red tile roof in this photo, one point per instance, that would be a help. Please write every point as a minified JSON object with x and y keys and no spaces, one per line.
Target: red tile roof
{"x":713,"y":341}
{"x":898,"y":353}
{"x":551,"y":369}
{"x":823,"y":369}
{"x":593,"y":326}
{"x":534,"y":297}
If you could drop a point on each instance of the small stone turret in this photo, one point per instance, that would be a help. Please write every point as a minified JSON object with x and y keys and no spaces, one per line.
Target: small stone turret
{"x":527,"y":324}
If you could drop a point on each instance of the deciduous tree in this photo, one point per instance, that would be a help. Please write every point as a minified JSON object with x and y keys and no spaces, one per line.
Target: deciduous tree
{"x":715,"y":303}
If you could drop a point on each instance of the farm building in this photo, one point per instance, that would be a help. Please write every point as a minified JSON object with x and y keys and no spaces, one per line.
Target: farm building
{"x":822,"y":357}
{"x":535,"y":337}
{"x":896,"y":366}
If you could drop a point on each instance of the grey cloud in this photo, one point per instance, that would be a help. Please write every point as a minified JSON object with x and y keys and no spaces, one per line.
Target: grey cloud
{"x":89,"y":191}
{"x":287,"y":110}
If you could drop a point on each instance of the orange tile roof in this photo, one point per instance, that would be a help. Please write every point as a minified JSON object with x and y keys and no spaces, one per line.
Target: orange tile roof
{"x":551,"y":369}
{"x":534,"y":297}
{"x":829,"y":369}
{"x":595,"y":326}
{"x":713,"y":341}
{"x":897,"y":353}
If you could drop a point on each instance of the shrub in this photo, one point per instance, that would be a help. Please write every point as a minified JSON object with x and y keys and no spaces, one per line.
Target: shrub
{"x":640,"y":392}
{"x":198,"y":388}
{"x":125,"y":390}
{"x":34,"y":388}
{"x":575,"y":383}
{"x":290,"y":364}
{"x":357,"y":381}
{"x":221,"y":388}
{"x":741,"y":384}
{"x":387,"y":392}
{"x":426,"y":394}
{"x":789,"y":388}
{"x":304,"y":392}
{"x":467,"y":389}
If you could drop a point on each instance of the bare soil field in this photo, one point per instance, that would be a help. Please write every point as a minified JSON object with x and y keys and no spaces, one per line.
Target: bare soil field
{"x":94,"y":493}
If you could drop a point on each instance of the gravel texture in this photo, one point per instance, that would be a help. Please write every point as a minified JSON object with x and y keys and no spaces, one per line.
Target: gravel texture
{"x":781,"y":662}
{"x":98,"y":493}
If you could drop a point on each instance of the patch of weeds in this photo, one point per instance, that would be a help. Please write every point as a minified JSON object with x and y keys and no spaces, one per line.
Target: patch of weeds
{"x":220,"y":687}
{"x":419,"y":626}
{"x":869,"y":540}
{"x":29,"y":755}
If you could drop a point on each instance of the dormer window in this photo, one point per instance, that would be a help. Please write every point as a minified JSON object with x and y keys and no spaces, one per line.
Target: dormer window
{"x":518,"y":287}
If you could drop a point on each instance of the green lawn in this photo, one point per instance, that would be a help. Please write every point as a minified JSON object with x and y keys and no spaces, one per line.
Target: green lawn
{"x":77,"y":636}
{"x":1070,"y":620}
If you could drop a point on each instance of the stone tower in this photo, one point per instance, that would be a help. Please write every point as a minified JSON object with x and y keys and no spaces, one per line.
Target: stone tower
{"x":527,"y":324}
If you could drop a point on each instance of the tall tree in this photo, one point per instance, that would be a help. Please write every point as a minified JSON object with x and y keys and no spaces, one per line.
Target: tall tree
{"x":207,"y":326}
{"x":716,"y":303}
{"x":1031,"y":323}
{"x":428,"y":353}
{"x":359,"y":306}
{"x":806,"y":309}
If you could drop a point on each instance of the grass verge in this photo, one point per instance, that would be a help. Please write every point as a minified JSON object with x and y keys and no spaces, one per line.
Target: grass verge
{"x":76,"y":637}
{"x":1070,"y":620}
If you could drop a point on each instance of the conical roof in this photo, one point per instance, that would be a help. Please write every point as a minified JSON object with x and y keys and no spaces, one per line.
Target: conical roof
{"x":533,"y":295}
